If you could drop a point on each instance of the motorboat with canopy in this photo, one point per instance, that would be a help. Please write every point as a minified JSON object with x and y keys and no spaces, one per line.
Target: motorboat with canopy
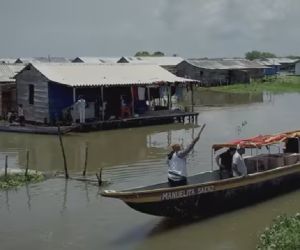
{"x":207,"y":193}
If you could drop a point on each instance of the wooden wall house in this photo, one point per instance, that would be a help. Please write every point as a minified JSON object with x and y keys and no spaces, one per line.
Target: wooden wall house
{"x":211,"y":72}
{"x":287,"y":65}
{"x":272,"y":66}
{"x":48,"y":91}
{"x":8,"y":87}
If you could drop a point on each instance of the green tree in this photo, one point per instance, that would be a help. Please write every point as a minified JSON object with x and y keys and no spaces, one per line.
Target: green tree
{"x":158,"y":53}
{"x":142,"y":53}
{"x":254,"y":54}
{"x":146,"y":53}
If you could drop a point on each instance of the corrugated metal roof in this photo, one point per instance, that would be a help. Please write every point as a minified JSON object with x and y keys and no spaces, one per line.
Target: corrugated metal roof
{"x":50,"y":59}
{"x":7,"y":60}
{"x":8,"y":71}
{"x":86,"y":59}
{"x":82,"y":74}
{"x":282,"y":60}
{"x":132,"y":59}
{"x":225,"y":64}
{"x":160,"y":60}
{"x":109,"y":59}
{"x":277,"y":61}
{"x":156,"y":60}
{"x":267,"y":62}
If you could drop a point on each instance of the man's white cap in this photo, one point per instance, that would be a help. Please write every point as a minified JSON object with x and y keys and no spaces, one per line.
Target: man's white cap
{"x":238,"y":146}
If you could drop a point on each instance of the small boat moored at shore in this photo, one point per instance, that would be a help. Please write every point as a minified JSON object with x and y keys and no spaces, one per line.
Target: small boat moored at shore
{"x":31,"y":129}
{"x":207,"y":193}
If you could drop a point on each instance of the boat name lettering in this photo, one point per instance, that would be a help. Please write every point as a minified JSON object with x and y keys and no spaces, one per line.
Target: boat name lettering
{"x":186,"y":193}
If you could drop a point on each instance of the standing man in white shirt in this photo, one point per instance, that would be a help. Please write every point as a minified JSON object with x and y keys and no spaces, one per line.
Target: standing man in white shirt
{"x":238,"y":165}
{"x":177,"y":172}
{"x":81,"y":104}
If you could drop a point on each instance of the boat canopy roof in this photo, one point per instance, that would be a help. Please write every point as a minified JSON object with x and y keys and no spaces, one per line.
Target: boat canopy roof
{"x":259,"y":141}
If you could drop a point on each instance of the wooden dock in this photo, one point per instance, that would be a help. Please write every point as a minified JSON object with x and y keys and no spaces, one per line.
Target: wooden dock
{"x":147,"y":119}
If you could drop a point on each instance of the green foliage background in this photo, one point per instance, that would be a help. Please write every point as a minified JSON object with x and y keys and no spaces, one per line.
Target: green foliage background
{"x":284,"y":233}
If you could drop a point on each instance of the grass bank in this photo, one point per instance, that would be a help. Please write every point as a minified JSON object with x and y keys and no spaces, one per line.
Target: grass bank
{"x":13,"y":180}
{"x":284,"y":233}
{"x":280,"y":84}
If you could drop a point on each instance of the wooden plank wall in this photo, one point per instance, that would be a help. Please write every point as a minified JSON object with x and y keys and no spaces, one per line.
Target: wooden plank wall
{"x":207,"y":77}
{"x":39,"y":111}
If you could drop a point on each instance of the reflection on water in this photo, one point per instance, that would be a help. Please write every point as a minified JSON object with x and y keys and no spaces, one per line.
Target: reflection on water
{"x":9,"y":157}
{"x":207,"y":97}
{"x":71,"y":215}
{"x":59,"y":214}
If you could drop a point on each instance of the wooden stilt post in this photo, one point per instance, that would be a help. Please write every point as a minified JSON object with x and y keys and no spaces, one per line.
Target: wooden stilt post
{"x":27,"y":162}
{"x":86,"y":159}
{"x":63,"y":152}
{"x":169,"y":137}
{"x":132,"y":100}
{"x":6,"y":165}
{"x":99,"y":177}
{"x":74,"y":101}
{"x":1,"y":98}
{"x":192,"y":97}
{"x":169,"y":97}
{"x":159,"y":99}
{"x":102,"y":98}
{"x":212,"y":160}
{"x":149,"y":99}
{"x":74,"y":94}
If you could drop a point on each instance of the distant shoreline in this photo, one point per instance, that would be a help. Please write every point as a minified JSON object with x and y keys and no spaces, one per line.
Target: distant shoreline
{"x":281,"y":84}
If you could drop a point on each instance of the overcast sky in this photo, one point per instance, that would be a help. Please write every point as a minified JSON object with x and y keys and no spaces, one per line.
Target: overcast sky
{"x":189,"y":28}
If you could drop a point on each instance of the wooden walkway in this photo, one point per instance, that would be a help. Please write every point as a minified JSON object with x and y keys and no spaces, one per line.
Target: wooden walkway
{"x":147,"y":119}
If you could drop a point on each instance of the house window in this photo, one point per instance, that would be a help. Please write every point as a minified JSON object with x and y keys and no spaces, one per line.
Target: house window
{"x":31,"y":94}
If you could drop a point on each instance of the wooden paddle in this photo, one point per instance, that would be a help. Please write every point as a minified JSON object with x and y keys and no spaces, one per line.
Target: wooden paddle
{"x":201,"y":129}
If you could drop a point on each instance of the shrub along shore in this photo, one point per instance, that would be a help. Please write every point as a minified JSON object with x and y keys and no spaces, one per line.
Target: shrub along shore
{"x":284,"y":233}
{"x":280,"y":84}
{"x":13,"y":180}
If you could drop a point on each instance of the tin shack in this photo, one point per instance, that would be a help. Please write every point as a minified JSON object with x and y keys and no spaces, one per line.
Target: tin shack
{"x":211,"y":72}
{"x":112,"y":92}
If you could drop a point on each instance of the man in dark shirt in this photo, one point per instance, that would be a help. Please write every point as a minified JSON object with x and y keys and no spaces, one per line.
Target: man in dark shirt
{"x":224,"y":161}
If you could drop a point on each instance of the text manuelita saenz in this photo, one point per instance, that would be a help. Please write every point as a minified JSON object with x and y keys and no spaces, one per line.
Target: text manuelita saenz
{"x":186,"y":193}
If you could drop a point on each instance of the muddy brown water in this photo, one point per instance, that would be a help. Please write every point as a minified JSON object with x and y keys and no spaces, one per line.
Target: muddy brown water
{"x":72,"y":215}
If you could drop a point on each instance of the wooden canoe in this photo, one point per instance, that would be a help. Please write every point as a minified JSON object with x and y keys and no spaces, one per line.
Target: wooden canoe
{"x":207,"y":194}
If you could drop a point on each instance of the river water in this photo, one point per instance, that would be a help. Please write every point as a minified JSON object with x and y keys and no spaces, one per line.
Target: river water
{"x":57,"y":214}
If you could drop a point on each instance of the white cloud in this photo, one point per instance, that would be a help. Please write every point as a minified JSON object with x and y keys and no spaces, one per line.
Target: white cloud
{"x":192,"y":28}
